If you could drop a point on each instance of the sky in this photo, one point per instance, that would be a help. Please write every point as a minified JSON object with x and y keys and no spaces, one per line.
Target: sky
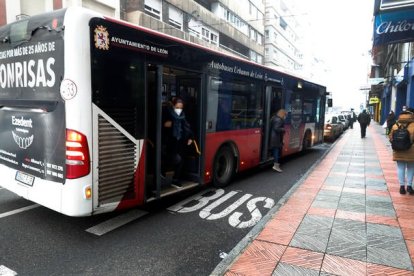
{"x":340,"y":33}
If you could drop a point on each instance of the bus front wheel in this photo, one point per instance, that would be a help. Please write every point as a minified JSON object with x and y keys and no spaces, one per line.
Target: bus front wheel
{"x":224,"y":167}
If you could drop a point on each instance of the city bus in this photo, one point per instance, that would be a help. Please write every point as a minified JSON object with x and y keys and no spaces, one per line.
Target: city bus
{"x":82,"y":98}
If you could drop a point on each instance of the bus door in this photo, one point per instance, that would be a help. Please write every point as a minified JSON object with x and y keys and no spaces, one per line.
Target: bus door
{"x":163,"y":84}
{"x":272,"y":103}
{"x":189,"y":88}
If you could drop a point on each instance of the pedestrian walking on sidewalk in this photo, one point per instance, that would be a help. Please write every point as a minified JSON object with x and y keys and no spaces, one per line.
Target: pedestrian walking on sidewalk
{"x":390,"y":121}
{"x":276,"y":137}
{"x":364,"y":120}
{"x":404,"y":158}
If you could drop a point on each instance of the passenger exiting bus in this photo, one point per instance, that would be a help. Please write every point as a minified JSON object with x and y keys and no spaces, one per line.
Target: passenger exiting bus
{"x":276,"y":137}
{"x":176,"y":136}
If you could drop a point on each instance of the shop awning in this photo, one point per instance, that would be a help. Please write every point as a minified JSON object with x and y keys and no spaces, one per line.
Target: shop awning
{"x":394,"y":27}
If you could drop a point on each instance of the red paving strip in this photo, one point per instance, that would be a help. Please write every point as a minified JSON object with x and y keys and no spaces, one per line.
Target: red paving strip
{"x":350,"y":215}
{"x":382,"y":220}
{"x":354,"y":190}
{"x":408,"y":233}
{"x":280,"y":237}
{"x":303,"y":258}
{"x":260,"y":258}
{"x":331,"y":188}
{"x":380,"y":270}
{"x":410,"y":246}
{"x":343,"y":266}
{"x":377,"y":193}
{"x":322,"y":212}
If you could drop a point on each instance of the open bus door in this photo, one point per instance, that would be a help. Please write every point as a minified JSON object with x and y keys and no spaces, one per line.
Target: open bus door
{"x":272,"y":103}
{"x":164,"y":83}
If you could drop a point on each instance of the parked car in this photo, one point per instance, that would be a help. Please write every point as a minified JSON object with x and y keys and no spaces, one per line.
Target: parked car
{"x":333,"y":128}
{"x":343,"y":119}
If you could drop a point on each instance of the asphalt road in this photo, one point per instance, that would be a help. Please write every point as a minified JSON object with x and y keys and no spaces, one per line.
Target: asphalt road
{"x":171,"y":239}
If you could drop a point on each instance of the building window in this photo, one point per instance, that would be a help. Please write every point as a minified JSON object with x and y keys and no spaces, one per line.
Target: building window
{"x":214,"y":39}
{"x":283,"y":24}
{"x":267,"y":34}
{"x":175,"y":17}
{"x":153,"y":8}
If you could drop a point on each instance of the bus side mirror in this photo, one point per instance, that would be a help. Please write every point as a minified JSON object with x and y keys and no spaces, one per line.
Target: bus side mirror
{"x":329,"y":102}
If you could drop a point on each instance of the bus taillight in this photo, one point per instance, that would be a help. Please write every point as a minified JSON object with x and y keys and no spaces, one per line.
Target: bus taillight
{"x":77,"y":155}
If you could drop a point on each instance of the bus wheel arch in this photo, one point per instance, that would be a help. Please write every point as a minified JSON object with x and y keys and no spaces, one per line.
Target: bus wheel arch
{"x":225,"y":164}
{"x":307,"y":140}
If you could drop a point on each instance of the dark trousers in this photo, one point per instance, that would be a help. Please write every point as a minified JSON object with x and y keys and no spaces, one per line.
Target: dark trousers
{"x":363,"y":130}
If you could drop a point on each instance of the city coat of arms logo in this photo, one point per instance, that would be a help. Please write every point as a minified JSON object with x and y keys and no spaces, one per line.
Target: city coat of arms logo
{"x":101,"y":38}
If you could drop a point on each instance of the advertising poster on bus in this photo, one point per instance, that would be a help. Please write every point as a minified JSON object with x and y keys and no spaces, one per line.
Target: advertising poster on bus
{"x":32,"y":133}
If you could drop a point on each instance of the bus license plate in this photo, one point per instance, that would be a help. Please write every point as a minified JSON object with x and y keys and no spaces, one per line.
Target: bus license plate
{"x":25,"y":178}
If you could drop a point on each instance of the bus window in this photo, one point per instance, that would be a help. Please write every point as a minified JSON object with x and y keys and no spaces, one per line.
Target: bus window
{"x":234,"y":105}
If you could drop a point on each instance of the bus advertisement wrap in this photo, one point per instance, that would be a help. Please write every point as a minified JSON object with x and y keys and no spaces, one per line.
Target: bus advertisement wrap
{"x":32,"y":134}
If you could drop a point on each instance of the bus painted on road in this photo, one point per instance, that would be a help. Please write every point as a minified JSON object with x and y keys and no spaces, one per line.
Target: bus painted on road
{"x":82,"y":98}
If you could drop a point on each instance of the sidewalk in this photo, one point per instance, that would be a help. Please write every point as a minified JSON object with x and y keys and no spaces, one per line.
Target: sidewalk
{"x":346,"y":217}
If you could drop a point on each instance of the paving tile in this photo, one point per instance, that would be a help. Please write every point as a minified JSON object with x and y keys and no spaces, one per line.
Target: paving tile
{"x":341,"y":214}
{"x":343,"y":266}
{"x":381,"y":270}
{"x":410,"y":247}
{"x":387,"y":242}
{"x":332,"y":188}
{"x":378,"y":198}
{"x":335,"y":180}
{"x":287,"y":269}
{"x":260,"y":258}
{"x":321,"y":212}
{"x":377,"y":229}
{"x":359,"y":208}
{"x":283,"y":225}
{"x":348,"y":244}
{"x":315,"y":241}
{"x":316,"y":222}
{"x":329,"y":193}
{"x":388,"y":257}
{"x":324,"y":204}
{"x":303,"y":258}
{"x":277,"y":237}
{"x":408,"y":233}
{"x":389,"y":212}
{"x":354,"y":189}
{"x":349,"y":225}
{"x":373,"y":192}
{"x":391,"y":221}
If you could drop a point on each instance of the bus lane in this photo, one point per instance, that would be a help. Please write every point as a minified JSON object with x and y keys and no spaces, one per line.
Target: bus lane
{"x":187,"y":235}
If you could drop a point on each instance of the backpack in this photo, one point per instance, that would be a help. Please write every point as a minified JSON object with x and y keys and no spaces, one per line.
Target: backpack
{"x":401,"y":139}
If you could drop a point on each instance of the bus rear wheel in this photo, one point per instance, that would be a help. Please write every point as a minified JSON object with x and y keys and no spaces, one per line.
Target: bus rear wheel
{"x":224,"y":167}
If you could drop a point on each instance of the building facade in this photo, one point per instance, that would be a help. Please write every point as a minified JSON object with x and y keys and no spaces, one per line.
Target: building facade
{"x":282,"y":36}
{"x":392,"y":71}
{"x":262,"y":31}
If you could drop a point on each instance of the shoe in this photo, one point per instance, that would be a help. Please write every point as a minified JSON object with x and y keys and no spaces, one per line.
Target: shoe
{"x":402,"y":190}
{"x":276,"y":167}
{"x":410,"y":190}
{"x":175,"y":183}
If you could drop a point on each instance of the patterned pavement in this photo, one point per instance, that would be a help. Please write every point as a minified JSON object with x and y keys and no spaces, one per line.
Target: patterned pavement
{"x":346,"y":218}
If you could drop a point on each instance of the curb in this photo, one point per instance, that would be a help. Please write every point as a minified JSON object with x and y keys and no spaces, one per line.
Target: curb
{"x":222,"y":267}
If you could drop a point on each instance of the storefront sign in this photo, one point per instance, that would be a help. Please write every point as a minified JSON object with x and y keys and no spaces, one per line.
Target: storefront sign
{"x":392,"y":4}
{"x":394,"y":27}
{"x":374,"y":100}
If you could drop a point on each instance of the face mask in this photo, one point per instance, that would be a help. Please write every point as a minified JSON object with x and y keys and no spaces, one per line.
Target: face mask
{"x":178,"y":111}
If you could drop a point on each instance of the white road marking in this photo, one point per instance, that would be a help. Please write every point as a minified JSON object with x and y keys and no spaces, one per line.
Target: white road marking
{"x":200,"y":198}
{"x":20,"y":210}
{"x":4,"y":271}
{"x":115,"y":222}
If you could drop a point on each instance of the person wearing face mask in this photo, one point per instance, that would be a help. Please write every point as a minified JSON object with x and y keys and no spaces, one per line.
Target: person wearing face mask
{"x":176,"y":135}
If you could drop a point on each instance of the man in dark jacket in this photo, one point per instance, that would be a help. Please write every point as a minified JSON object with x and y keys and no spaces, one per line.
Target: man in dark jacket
{"x":277,"y":131}
{"x":364,"y":120}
